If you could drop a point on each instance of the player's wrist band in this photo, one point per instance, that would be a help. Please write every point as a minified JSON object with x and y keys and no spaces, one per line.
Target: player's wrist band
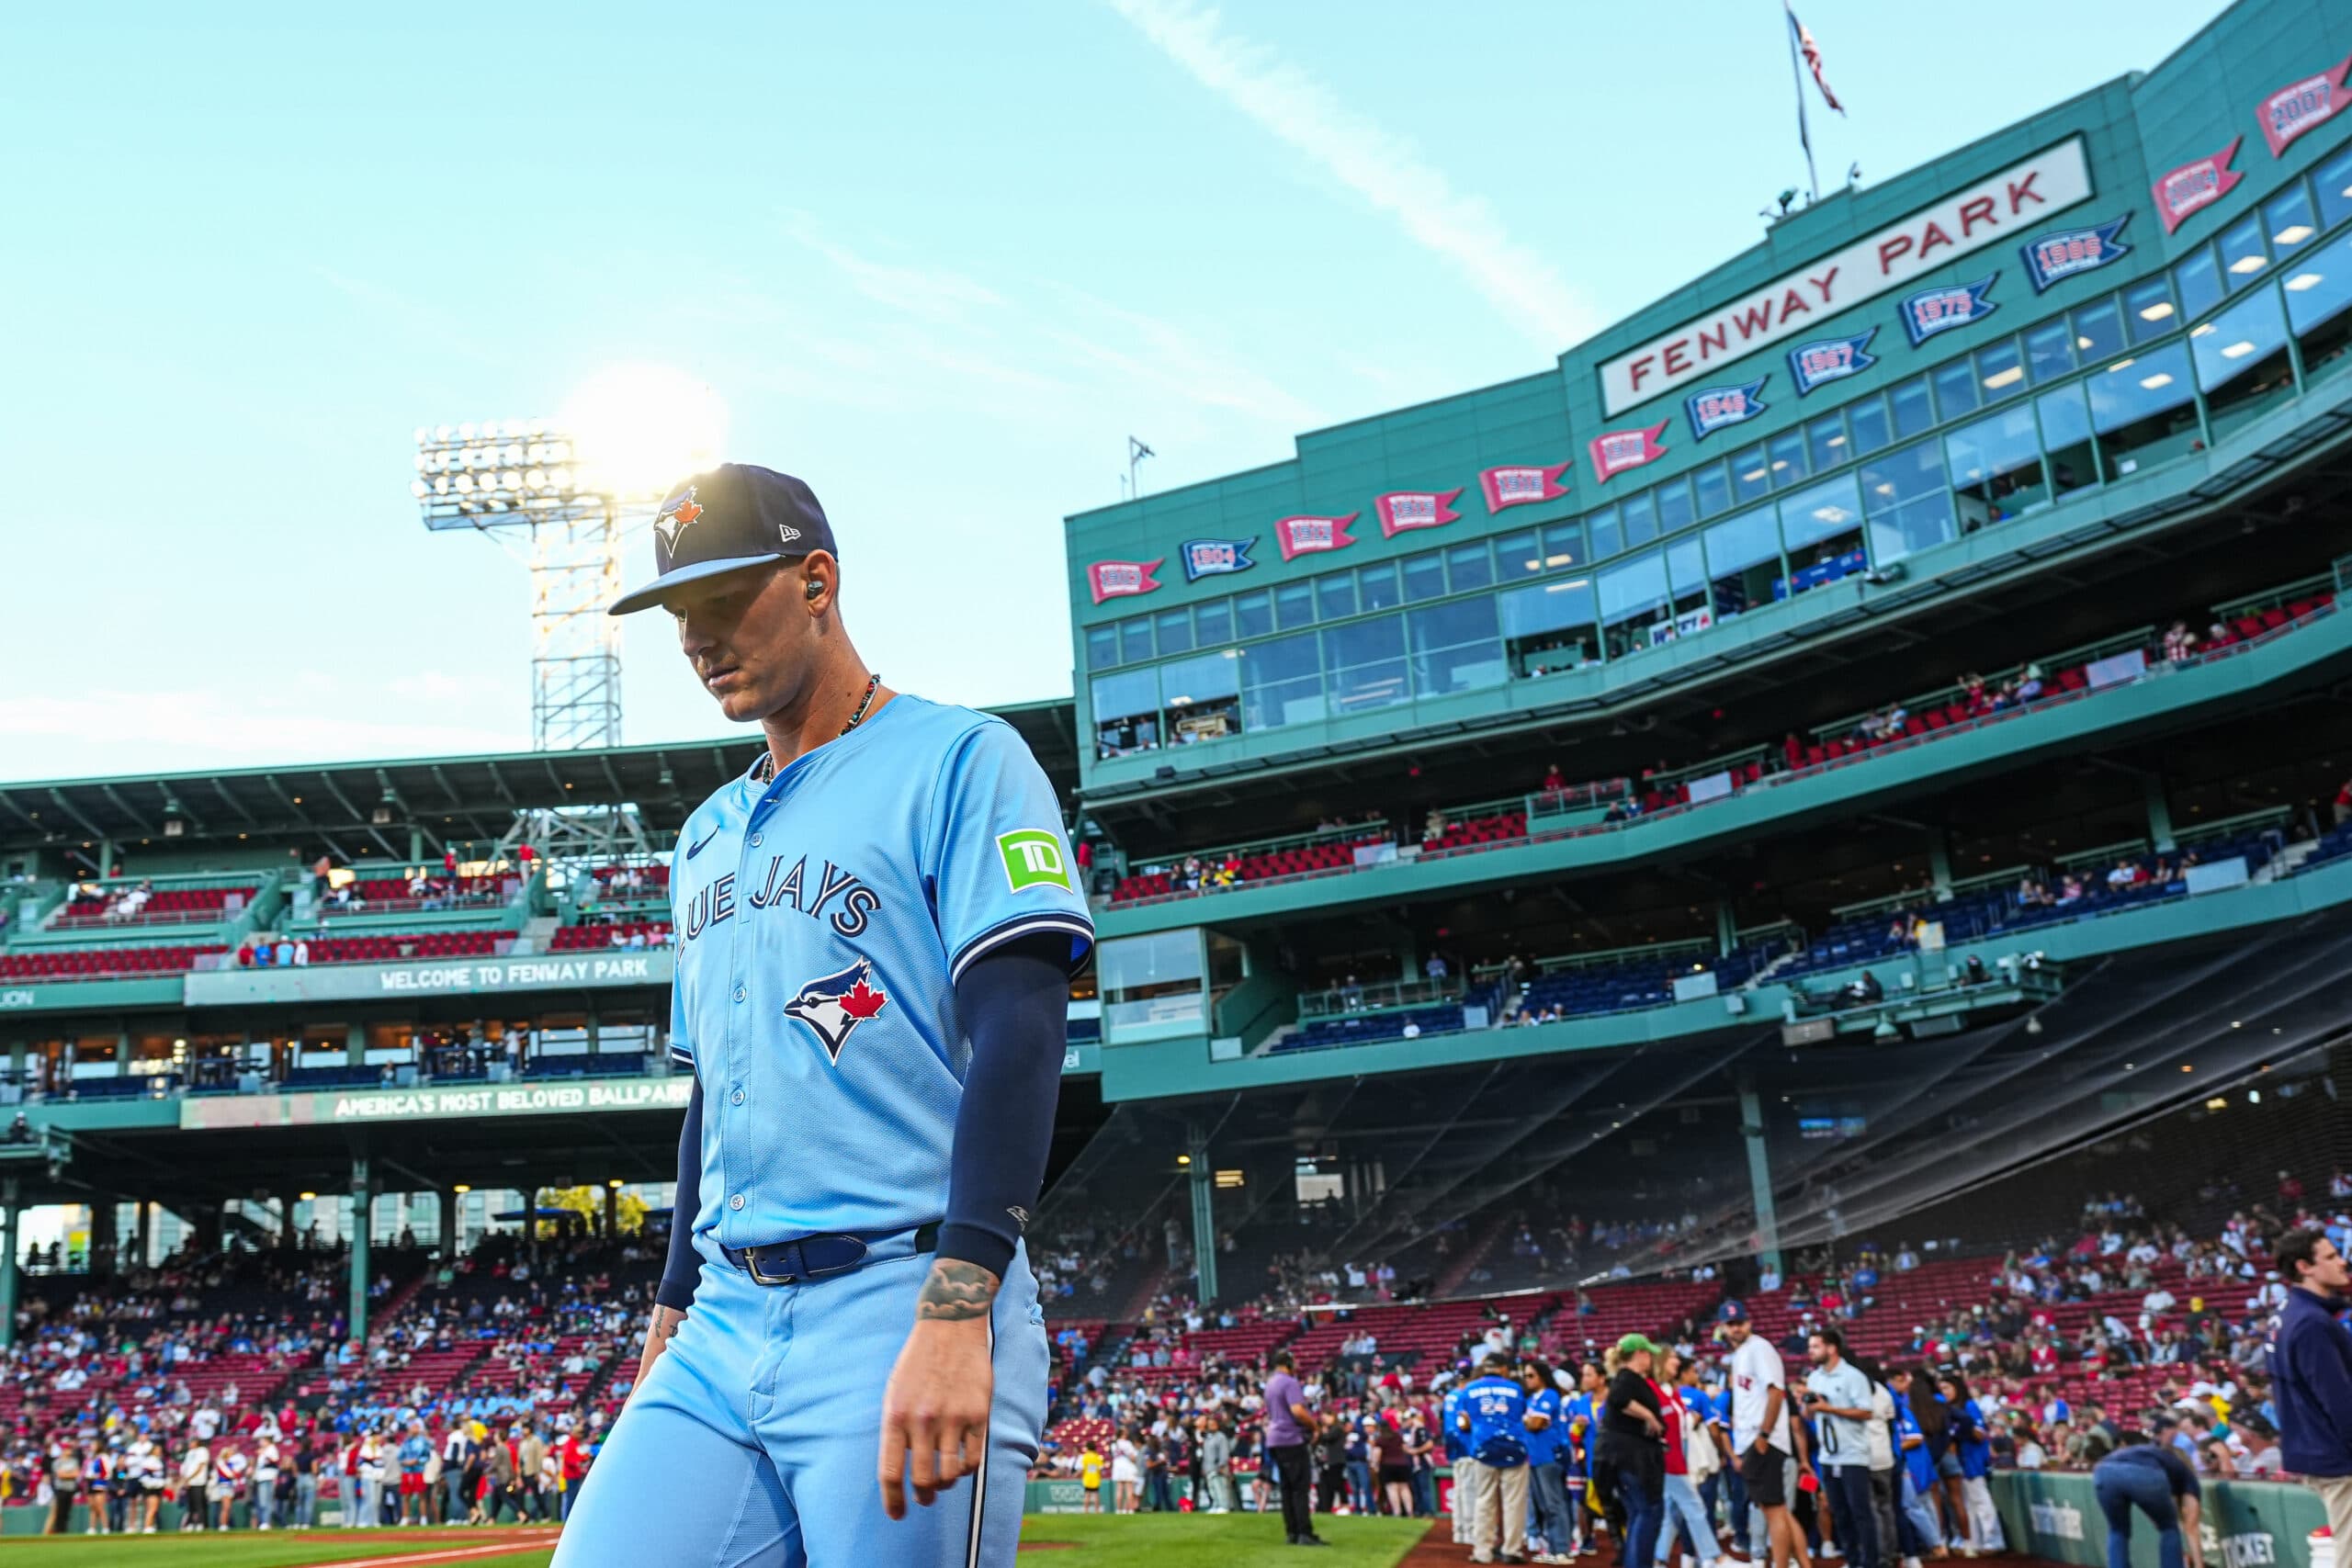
{"x":808,"y":1257}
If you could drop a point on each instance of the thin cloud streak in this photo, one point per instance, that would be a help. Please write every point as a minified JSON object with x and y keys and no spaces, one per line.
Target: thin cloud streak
{"x":1383,"y":168}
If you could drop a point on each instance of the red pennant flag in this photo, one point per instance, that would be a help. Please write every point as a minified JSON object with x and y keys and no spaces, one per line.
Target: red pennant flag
{"x":1522,"y":484}
{"x":1311,"y":535}
{"x":1400,"y":510}
{"x":2302,"y":106}
{"x":1123,"y":578}
{"x":1618,"y":450}
{"x":2195,"y":185}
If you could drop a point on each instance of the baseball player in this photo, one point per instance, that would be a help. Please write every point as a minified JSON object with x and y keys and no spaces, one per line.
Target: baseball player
{"x":876,"y":926}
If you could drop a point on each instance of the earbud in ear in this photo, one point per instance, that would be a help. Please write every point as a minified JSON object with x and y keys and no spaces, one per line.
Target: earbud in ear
{"x":816,"y":591}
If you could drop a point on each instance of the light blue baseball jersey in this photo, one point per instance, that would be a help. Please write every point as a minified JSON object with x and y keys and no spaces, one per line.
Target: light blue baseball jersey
{"x":822,"y":921}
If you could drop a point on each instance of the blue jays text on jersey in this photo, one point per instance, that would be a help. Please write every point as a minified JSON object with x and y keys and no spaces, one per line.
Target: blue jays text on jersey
{"x":822,"y":920}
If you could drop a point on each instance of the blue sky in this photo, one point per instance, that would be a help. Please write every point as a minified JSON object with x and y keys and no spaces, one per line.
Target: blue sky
{"x":940,"y":260}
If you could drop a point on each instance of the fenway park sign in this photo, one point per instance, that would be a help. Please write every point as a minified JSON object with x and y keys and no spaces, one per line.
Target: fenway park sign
{"x":2003,"y":206}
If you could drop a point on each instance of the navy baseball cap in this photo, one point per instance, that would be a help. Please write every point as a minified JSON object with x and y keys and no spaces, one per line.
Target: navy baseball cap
{"x":735,"y":516}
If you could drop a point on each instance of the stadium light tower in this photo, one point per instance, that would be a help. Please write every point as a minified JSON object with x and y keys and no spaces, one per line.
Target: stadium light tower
{"x":573,"y":485}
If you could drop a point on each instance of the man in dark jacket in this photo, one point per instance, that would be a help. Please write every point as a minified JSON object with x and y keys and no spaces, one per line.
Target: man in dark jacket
{"x":2311,"y":1373}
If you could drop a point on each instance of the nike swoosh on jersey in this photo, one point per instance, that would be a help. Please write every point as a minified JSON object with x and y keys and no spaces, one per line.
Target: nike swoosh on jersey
{"x":694,"y":849}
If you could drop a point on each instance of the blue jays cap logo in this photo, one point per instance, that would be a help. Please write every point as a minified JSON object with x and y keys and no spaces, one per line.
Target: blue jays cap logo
{"x":678,"y":514}
{"x":838,"y":1004}
{"x":1215,"y":558}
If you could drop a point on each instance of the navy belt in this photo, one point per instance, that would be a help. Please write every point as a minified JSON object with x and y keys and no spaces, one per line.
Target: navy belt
{"x":824,"y":1255}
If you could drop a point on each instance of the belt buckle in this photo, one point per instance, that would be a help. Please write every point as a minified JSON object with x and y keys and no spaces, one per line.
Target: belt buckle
{"x":752,"y":1266}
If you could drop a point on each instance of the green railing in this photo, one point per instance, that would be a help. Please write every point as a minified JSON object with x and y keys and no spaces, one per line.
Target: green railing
{"x":1385,"y":997}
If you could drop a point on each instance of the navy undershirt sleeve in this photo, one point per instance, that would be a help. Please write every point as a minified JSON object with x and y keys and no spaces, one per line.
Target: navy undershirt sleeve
{"x":1014,"y":1003}
{"x":685,"y":1264}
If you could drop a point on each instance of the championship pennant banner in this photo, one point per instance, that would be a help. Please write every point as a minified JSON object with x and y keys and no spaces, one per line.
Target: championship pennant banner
{"x":1523,"y":484}
{"x":1313,"y":536}
{"x":1720,"y":408}
{"x":1933,"y":311}
{"x":2054,"y":258}
{"x":2302,"y":106}
{"x":1404,"y":509}
{"x":1123,"y":578}
{"x":2190,"y":189}
{"x":1215,"y":557}
{"x":1830,"y":359}
{"x":1618,"y":450}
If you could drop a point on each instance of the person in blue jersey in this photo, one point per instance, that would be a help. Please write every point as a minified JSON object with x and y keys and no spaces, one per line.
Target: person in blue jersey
{"x":1972,"y":1441}
{"x":874,"y":926}
{"x":1917,"y":1509}
{"x":2150,"y":1478}
{"x":1587,"y":1494}
{"x":1492,"y":1417}
{"x":1467,"y":1475}
{"x":1546,"y":1481}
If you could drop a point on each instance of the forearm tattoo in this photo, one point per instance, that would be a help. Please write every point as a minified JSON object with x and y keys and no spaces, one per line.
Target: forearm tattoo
{"x":955,"y":1292}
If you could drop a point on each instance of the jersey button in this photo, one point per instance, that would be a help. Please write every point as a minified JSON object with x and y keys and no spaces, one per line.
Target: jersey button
{"x":736,"y":1202}
{"x":738,"y":993}
{"x":738,"y":1097}
{"x":755,"y":841}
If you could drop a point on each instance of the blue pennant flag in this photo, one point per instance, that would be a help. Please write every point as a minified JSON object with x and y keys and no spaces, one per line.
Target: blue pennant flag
{"x":1215,"y":558}
{"x":2054,"y":258}
{"x":1830,"y":359}
{"x":1718,"y":408}
{"x":1933,"y":311}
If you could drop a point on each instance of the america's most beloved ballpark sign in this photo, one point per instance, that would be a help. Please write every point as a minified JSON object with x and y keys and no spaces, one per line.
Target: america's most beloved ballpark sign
{"x":1999,"y":206}
{"x":458,"y":1102}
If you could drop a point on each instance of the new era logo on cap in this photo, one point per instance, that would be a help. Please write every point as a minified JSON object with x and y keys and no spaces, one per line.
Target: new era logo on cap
{"x":735,"y":516}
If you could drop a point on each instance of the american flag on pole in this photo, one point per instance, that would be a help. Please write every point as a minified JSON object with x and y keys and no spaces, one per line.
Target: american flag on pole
{"x":1812,"y":53}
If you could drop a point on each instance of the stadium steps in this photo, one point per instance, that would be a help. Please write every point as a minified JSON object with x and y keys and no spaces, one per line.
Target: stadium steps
{"x":537,"y":934}
{"x":1273,"y":1043}
{"x":2286,"y":861}
{"x":1450,"y":1283}
{"x":1147,"y":1291}
{"x":387,"y":1312}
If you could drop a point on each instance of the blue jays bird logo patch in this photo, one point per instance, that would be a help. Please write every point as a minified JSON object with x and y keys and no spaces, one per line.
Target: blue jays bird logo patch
{"x":838,"y":1004}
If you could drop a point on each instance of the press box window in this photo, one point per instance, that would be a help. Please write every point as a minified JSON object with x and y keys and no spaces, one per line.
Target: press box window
{"x":2143,"y":410}
{"x":2148,"y":310}
{"x":1548,"y":626}
{"x":1201,"y":698}
{"x":1135,"y":640}
{"x":2319,"y":304}
{"x":1126,"y":712}
{"x":1995,"y":465}
{"x":1101,"y":648}
{"x":1744,"y":563}
{"x":1174,"y":629}
{"x":1821,"y":528}
{"x":2241,"y":362}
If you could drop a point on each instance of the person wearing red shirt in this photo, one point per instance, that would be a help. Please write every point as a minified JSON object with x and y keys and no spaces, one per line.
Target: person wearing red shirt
{"x":1684,"y":1512}
{"x":572,"y":1455}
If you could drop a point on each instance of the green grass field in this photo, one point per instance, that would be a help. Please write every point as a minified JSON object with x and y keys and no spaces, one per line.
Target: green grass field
{"x":1150,"y":1541}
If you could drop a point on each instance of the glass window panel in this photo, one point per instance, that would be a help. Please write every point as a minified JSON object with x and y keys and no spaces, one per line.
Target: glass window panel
{"x":1674,"y":509}
{"x":1126,"y":712}
{"x":1898,"y":478}
{"x":2098,"y":330}
{"x":1752,"y":539}
{"x":1825,"y":441}
{"x":2288,"y":219}
{"x":1212,"y":623}
{"x":2048,"y":351}
{"x":1711,"y":487}
{"x":2148,"y":310}
{"x":1294,"y":605}
{"x":1282,"y":683}
{"x":1607,"y":540}
{"x":1869,"y":426}
{"x":1686,"y":569}
{"x":1911,"y":527}
{"x":1468,"y":567}
{"x":1750,"y":476}
{"x":1253,"y":614}
{"x":1174,"y":629}
{"x":1786,"y":457}
{"x":2000,"y":371}
{"x":2244,"y":256}
{"x":1638,"y":513}
{"x":2235,"y":341}
{"x":1335,"y":596}
{"x":2319,"y":287}
{"x":1425,"y":575}
{"x":1456,"y":647}
{"x":1517,"y":555}
{"x":2197,"y":282}
{"x":1995,"y":465}
{"x":1363,"y":664}
{"x":1955,"y":388}
{"x":1376,"y":587}
{"x":1549,"y":627}
{"x":2066,"y":437}
{"x":1632,"y":587}
{"x":1913,"y":413}
{"x":2331,"y":183}
{"x":1102,"y":647}
{"x":1200,"y":678}
{"x":1135,"y":640}
{"x":2144,"y":410}
{"x":1562,"y":546}
{"x":1824,"y":510}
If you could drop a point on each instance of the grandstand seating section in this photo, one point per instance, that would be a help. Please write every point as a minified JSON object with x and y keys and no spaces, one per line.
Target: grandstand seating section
{"x":1367,"y":1027}
{"x":100,"y":962}
{"x":394,"y":946}
{"x":165,"y":906}
{"x":1302,"y":859}
{"x":572,"y":939}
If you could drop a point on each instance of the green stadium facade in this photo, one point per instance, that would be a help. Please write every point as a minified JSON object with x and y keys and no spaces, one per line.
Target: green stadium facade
{"x":1893,"y":683}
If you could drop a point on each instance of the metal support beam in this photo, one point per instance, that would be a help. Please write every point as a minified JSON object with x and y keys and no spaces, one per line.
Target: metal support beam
{"x":612,"y":1211}
{"x":2152,"y":787}
{"x":1196,"y":1144}
{"x":11,"y":1191}
{"x":449,"y":1225}
{"x":363,"y":1213}
{"x":1760,"y":1179}
{"x":1939,"y":862}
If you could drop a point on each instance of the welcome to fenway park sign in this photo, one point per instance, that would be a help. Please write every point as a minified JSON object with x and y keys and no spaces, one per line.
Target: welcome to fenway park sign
{"x":2001,"y":207}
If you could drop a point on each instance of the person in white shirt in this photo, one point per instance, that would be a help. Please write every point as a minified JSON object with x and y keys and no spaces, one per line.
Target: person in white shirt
{"x":1763,"y":1438}
{"x":1838,"y":1393}
{"x":2158,"y":1301}
{"x":196,"y":1486}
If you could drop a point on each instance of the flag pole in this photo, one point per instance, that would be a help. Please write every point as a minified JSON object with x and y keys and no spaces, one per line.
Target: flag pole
{"x":1804,"y":134}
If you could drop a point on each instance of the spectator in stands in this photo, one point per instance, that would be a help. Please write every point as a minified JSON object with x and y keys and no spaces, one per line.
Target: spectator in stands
{"x":2310,"y":1370}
